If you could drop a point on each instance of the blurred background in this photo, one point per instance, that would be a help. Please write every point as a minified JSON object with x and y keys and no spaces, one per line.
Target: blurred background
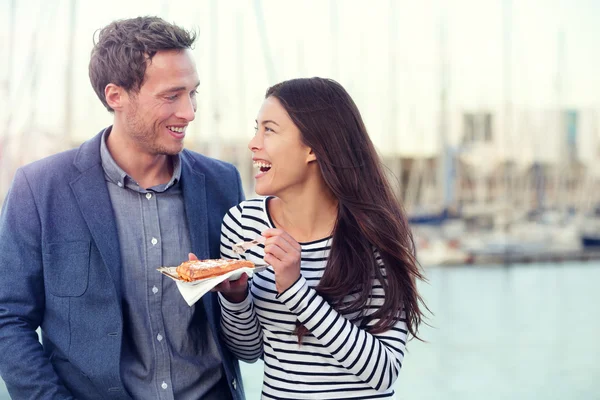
{"x":486,"y":114}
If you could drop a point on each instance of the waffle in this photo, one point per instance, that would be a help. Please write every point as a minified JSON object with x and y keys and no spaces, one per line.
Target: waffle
{"x":202,"y":269}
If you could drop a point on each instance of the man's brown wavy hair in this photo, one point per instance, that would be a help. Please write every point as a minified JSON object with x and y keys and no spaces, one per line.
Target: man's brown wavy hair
{"x":369,"y":216}
{"x":125,"y":47}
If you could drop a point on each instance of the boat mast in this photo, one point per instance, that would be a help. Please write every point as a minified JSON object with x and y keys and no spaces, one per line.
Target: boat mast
{"x":508,"y":110}
{"x":266,"y":48}
{"x":68,"y":122}
{"x":215,"y":143}
{"x":6,"y":120}
{"x":561,"y":165}
{"x":393,"y":129}
{"x":444,"y":167}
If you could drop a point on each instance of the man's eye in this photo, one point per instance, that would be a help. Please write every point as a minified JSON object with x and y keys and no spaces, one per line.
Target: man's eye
{"x":193,"y":93}
{"x":171,"y":98}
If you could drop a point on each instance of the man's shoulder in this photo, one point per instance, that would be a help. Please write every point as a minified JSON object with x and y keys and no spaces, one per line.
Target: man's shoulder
{"x":63,"y":163}
{"x":51,"y":165}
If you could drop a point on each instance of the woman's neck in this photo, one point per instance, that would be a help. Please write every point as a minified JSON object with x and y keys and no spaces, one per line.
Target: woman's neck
{"x":308,"y":216}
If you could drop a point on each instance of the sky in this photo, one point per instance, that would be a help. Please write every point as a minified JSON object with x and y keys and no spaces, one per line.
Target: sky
{"x":392,"y":56}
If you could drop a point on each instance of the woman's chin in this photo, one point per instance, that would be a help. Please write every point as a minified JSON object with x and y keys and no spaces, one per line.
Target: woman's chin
{"x":264,"y":190}
{"x":261,"y":192}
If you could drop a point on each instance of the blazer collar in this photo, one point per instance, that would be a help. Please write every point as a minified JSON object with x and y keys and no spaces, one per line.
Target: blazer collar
{"x":93,"y":199}
{"x":88,"y":155}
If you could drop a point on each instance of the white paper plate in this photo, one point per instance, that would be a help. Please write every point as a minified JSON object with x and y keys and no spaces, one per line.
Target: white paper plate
{"x":193,"y":291}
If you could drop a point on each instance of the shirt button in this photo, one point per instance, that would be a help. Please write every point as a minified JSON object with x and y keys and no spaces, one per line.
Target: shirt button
{"x":119,"y":184}
{"x":154,"y":241}
{"x":154,"y":290}
{"x":164,"y":385}
{"x":159,"y":337}
{"x":148,"y":196}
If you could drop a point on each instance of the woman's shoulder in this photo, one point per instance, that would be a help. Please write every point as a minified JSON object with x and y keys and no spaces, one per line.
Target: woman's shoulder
{"x":253,"y":203}
{"x":255,"y":207}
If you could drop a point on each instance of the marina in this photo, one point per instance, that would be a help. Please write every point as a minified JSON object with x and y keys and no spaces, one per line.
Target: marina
{"x":487,"y":119}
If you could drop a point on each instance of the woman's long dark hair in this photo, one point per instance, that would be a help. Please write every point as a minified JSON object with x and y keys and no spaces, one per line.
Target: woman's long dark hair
{"x":369,"y":216}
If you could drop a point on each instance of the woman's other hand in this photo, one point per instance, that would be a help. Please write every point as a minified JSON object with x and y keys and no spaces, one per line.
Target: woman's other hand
{"x":283,"y":253}
{"x":233,"y":291}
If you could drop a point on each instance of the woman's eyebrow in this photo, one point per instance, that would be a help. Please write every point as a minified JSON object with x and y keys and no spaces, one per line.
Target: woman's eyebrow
{"x":266,"y":121}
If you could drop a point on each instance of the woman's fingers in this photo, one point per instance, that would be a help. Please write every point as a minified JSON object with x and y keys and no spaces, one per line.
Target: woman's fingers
{"x":280,"y":247}
{"x":282,"y":244}
{"x":234,"y":291}
{"x":242,"y":282}
{"x":276,"y":251}
{"x":224,"y":287}
{"x":237,"y":285}
{"x":273,"y":234}
{"x":271,"y":260}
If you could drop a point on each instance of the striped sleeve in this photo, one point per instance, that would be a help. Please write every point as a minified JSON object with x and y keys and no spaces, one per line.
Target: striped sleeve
{"x":375,"y":359}
{"x":240,"y":326}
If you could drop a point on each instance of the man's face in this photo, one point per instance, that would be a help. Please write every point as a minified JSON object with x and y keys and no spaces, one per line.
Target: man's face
{"x":157,"y":117}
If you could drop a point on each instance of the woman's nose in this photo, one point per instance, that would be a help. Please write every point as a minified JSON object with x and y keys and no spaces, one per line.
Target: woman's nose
{"x":255,"y":142}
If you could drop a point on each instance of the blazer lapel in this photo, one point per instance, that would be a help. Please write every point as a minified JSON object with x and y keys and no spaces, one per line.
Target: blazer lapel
{"x":196,"y":209}
{"x":194,"y":195}
{"x":94,"y":203}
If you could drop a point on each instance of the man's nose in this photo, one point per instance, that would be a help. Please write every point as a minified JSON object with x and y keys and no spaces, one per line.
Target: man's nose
{"x":187,"y":109}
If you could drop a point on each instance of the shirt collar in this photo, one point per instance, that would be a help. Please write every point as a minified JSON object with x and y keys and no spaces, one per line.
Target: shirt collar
{"x":116,"y":175}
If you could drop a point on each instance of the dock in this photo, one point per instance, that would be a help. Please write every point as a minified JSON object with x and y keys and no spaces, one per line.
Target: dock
{"x":537,"y":257}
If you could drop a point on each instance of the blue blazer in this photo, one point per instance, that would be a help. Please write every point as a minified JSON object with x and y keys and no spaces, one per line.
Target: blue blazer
{"x":60,"y":270}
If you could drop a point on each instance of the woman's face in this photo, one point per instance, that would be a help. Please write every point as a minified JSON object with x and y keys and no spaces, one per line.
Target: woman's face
{"x":278,"y":152}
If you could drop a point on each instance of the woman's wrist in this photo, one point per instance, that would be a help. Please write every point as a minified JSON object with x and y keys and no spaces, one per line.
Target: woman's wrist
{"x":235,"y":297}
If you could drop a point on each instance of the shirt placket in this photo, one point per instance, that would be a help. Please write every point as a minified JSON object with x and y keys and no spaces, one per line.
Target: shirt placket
{"x":154,"y":257}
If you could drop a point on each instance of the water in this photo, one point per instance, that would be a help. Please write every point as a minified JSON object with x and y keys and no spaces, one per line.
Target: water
{"x":521,"y":332}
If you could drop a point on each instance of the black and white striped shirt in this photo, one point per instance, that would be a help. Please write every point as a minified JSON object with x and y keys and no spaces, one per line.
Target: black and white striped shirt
{"x":337,"y":359}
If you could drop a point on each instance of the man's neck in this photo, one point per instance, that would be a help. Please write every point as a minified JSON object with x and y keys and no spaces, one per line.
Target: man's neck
{"x":146,"y":169}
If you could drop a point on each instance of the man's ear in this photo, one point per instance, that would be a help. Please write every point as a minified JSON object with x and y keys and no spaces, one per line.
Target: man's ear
{"x":310,"y":157}
{"x":115,"y":96}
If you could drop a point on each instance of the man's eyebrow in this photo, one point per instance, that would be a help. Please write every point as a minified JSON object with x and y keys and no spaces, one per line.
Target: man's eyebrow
{"x":267,"y":121}
{"x":178,"y":89}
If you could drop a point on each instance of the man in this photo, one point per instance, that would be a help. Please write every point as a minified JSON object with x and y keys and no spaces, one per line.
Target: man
{"x":82,"y":233}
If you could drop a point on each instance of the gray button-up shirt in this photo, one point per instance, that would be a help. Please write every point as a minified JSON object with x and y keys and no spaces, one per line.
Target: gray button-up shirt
{"x":168,"y":349}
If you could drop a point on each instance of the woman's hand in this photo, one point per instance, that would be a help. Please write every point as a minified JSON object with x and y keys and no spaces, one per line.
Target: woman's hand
{"x":283,"y":253}
{"x":234,"y":291}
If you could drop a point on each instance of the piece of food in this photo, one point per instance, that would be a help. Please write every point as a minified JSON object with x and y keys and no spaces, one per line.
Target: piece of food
{"x":202,"y":269}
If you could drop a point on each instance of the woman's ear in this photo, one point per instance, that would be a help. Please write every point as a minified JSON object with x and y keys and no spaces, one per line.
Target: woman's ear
{"x":310,"y":157}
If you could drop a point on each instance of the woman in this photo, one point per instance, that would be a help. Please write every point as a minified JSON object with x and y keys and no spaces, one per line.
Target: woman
{"x":331,"y":314}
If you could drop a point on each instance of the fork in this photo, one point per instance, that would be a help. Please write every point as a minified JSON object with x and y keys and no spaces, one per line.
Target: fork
{"x":242,"y":247}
